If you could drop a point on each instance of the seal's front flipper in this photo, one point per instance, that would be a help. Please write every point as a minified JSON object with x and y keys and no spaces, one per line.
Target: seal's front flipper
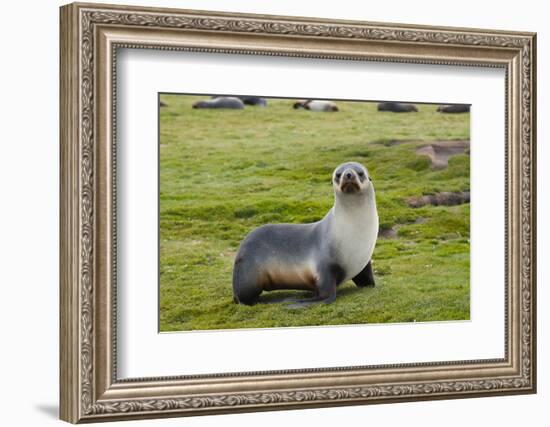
{"x":312,"y":301}
{"x":326,"y":293}
{"x":366,"y":277}
{"x":281,"y":299}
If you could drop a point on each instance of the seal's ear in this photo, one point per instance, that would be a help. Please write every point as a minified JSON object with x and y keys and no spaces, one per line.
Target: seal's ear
{"x":370,"y":179}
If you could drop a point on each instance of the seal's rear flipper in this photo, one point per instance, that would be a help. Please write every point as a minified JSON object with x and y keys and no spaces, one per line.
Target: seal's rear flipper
{"x":366,"y":277}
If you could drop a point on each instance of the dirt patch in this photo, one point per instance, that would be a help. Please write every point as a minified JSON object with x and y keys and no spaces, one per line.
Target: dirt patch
{"x":439,"y":152}
{"x":393,"y":142}
{"x":444,"y":198}
{"x":391,"y":233}
{"x":388,"y":233}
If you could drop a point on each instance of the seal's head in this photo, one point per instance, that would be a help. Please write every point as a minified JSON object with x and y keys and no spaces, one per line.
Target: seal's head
{"x":200,"y":104}
{"x":350,"y":178}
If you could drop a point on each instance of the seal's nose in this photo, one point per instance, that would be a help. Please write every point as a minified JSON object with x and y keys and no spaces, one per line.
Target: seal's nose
{"x":348,"y":175}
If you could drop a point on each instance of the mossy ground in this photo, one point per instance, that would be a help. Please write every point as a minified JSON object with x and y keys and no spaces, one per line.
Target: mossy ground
{"x":225,"y":172}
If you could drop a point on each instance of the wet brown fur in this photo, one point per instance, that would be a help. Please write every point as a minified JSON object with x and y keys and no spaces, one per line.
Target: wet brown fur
{"x":279,"y":277}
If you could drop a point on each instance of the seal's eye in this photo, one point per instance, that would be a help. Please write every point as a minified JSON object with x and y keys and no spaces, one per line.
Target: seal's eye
{"x":338,"y":175}
{"x":361,"y":174}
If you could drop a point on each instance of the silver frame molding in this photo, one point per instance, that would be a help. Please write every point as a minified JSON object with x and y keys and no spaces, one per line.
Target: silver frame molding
{"x":90,"y":37}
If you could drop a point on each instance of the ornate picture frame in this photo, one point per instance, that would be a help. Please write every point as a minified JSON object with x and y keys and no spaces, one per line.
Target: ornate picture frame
{"x":90,"y":37}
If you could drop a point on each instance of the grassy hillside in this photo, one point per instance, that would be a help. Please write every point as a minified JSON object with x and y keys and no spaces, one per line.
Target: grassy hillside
{"x":225,"y":172}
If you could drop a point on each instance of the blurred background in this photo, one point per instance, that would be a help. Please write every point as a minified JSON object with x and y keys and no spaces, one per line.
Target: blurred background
{"x":228,"y":166}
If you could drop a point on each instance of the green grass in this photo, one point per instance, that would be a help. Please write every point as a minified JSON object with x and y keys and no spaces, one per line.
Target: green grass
{"x":226,"y":172}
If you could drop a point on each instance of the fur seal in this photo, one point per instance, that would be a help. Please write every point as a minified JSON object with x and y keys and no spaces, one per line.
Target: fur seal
{"x":315,"y":257}
{"x":453,"y":108}
{"x":248,"y":100}
{"x":221,"y":102}
{"x":397,"y":107}
{"x":254,"y":100}
{"x":315,"y":105}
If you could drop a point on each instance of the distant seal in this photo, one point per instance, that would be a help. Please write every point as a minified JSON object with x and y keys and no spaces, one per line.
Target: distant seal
{"x":315,"y":105}
{"x":249,"y":100}
{"x":221,"y":102}
{"x":253,"y":100}
{"x":315,"y":257}
{"x":397,"y":107}
{"x":454,"y":108}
